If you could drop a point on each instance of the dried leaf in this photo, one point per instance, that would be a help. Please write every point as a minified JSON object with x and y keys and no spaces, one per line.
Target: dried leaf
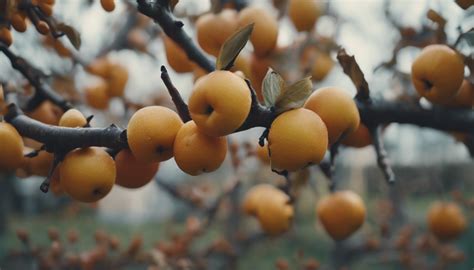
{"x":352,"y":69}
{"x":71,"y":33}
{"x":294,"y":96}
{"x":232,"y":47}
{"x":465,"y":4}
{"x":273,"y":84}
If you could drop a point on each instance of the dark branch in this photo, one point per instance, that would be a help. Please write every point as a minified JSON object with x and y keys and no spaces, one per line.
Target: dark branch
{"x":178,"y":101}
{"x":42,"y":90}
{"x":159,"y":11}
{"x":382,"y":159}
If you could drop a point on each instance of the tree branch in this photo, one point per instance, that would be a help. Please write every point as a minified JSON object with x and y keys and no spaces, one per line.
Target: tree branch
{"x":159,"y":10}
{"x":382,"y":159}
{"x":178,"y":101}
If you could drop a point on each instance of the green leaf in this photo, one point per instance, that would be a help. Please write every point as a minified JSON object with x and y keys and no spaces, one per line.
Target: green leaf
{"x":294,"y":96}
{"x":273,"y":84}
{"x":71,"y":33}
{"x":232,"y":47}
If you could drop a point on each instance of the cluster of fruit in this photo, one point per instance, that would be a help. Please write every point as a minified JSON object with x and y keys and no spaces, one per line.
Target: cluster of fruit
{"x":114,"y":78}
{"x":18,"y":18}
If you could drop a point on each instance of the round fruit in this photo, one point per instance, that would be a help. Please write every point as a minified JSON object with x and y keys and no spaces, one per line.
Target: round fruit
{"x":117,"y":78}
{"x":151,"y":133}
{"x":297,"y":138}
{"x":446,"y":220}
{"x":220,"y":103}
{"x":177,"y":58}
{"x":108,"y":5}
{"x":6,"y":36}
{"x":341,"y":213}
{"x":11,"y":149}
{"x":361,"y":137}
{"x":265,"y":33}
{"x":464,"y":98}
{"x":72,"y":118}
{"x":132,"y":173}
{"x":41,"y":164}
{"x":337,"y":109}
{"x":196,"y":153}
{"x":87,"y":174}
{"x":210,"y":37}
{"x":18,"y":21}
{"x":100,"y":67}
{"x":47,"y":113}
{"x":97,"y":97}
{"x":263,"y":154}
{"x":256,"y":196}
{"x":437,"y":73}
{"x":274,"y":212}
{"x":303,"y":14}
{"x":322,"y":66}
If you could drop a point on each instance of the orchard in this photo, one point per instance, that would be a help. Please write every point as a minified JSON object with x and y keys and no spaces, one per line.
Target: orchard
{"x":234,"y":134}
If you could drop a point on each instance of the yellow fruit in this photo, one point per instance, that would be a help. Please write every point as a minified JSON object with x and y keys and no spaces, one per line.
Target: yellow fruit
{"x":297,"y":138}
{"x":108,"y":5}
{"x":437,"y":73}
{"x":242,"y":63}
{"x":446,"y":220}
{"x":220,"y":103}
{"x":87,"y":174}
{"x":117,"y":78}
{"x":275,"y":213}
{"x":259,"y":68}
{"x":256,"y":196}
{"x":100,"y":67}
{"x":265,"y":33}
{"x":47,"y":113}
{"x":97,"y":97}
{"x":151,"y":133}
{"x":196,"y":153}
{"x":341,"y":213}
{"x":11,"y":148}
{"x":41,"y":164}
{"x":132,"y":173}
{"x":210,"y":37}
{"x":72,"y":118}
{"x":361,"y":137}
{"x":464,"y":98}
{"x":337,"y":109}
{"x":303,"y":14}
{"x":6,"y":36}
{"x":321,"y":67}
{"x":177,"y":58}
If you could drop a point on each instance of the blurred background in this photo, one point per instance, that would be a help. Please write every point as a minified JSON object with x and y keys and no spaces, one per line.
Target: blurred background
{"x":429,"y":164}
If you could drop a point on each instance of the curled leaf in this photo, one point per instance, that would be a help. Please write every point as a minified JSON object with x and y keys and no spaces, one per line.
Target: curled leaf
{"x":232,"y":47}
{"x":352,"y":69}
{"x":273,"y":84}
{"x":71,"y":33}
{"x":294,"y":96}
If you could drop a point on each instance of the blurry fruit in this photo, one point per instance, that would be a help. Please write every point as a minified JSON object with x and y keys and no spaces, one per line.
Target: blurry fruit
{"x":265,"y":33}
{"x":464,"y":98}
{"x":341,"y":213}
{"x":210,"y":37}
{"x":337,"y":109}
{"x":297,"y":138}
{"x":99,"y":67}
{"x":18,"y":21}
{"x":11,"y":148}
{"x":151,"y":133}
{"x":87,"y":174}
{"x":437,"y":73}
{"x":47,"y":113}
{"x":108,"y":5}
{"x":220,"y":103}
{"x":6,"y":36}
{"x":361,"y":137}
{"x":259,"y":68}
{"x":195,"y":152}
{"x":303,"y":14}
{"x":263,"y":154}
{"x":446,"y":220}
{"x":321,"y":67}
{"x":117,"y":78}
{"x":72,"y":118}
{"x":132,"y":173}
{"x":177,"y":58}
{"x":97,"y":97}
{"x":254,"y":197}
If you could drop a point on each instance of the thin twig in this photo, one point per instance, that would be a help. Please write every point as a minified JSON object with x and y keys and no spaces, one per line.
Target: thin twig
{"x":178,"y":101}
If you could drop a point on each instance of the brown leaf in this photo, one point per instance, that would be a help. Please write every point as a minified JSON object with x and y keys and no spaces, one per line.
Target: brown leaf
{"x":232,"y":47}
{"x":294,"y":96}
{"x":273,"y":84}
{"x":465,"y":4}
{"x":71,"y":33}
{"x":352,"y":69}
